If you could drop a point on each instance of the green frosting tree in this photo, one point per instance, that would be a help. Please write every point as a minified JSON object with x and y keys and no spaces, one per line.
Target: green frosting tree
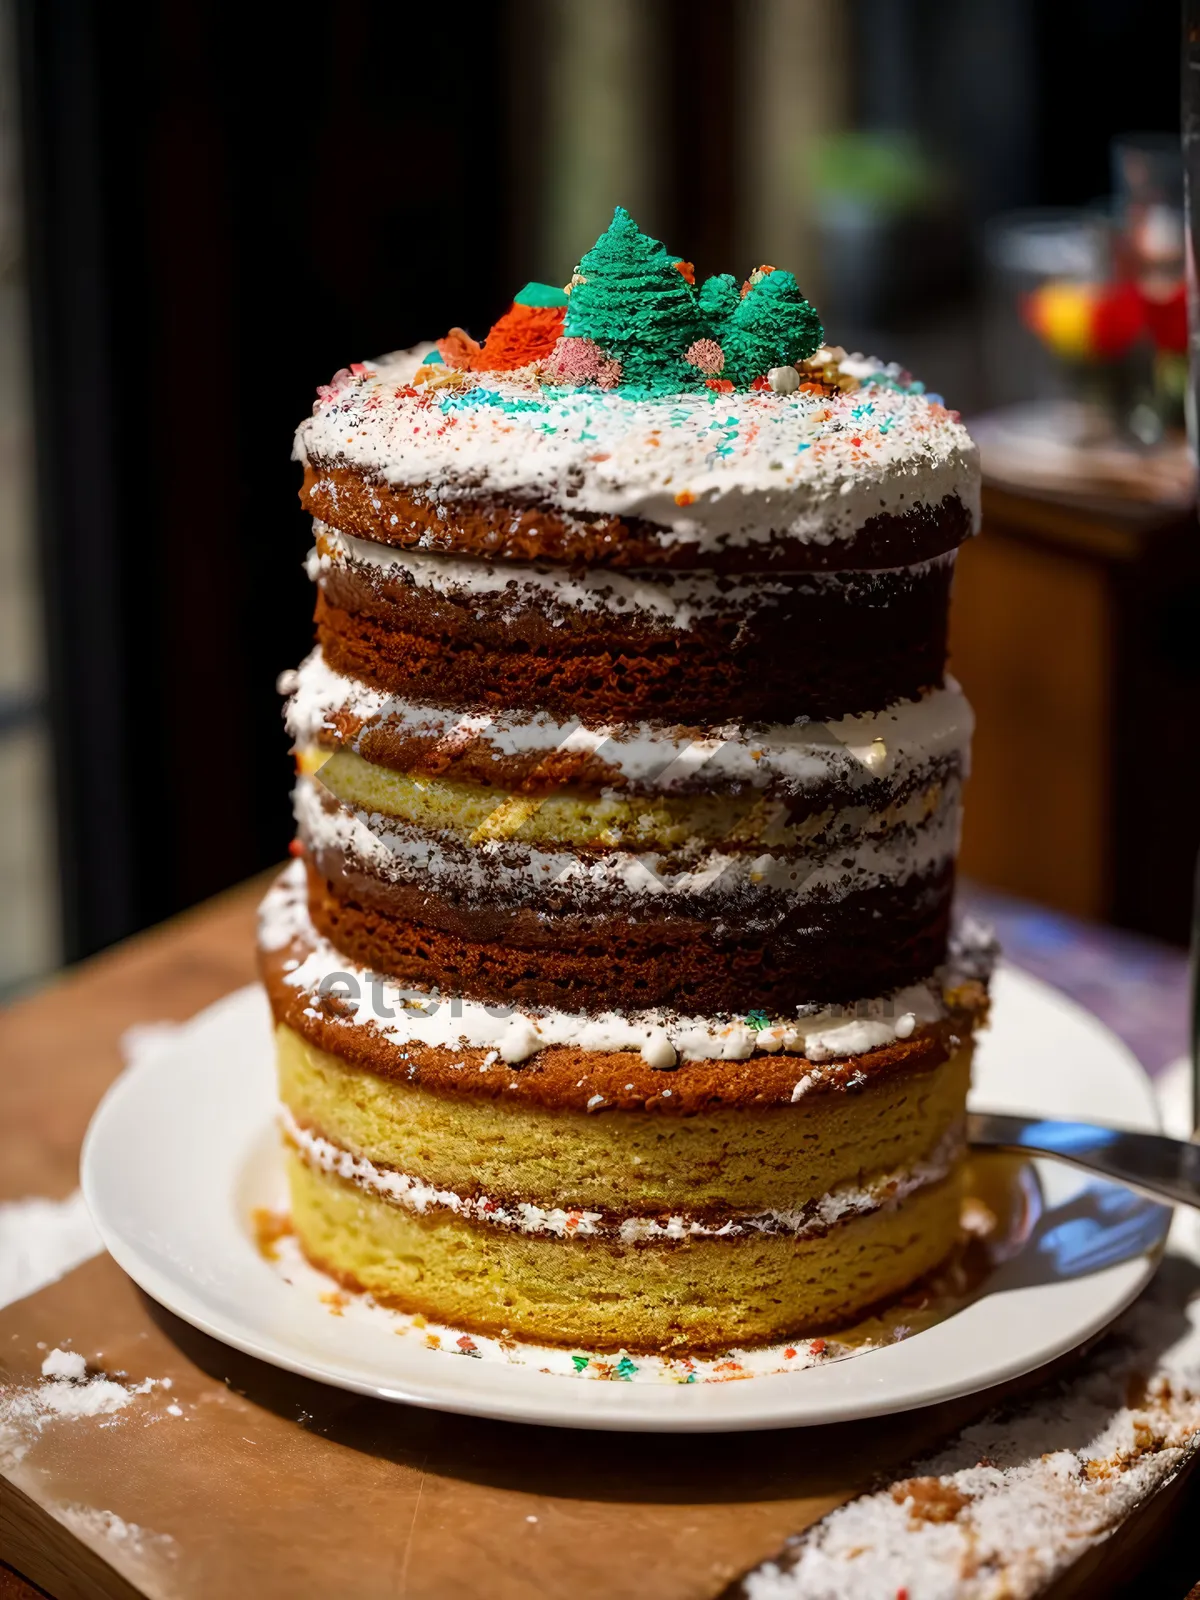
{"x":772,"y":325}
{"x":719,"y":299}
{"x":630,"y":298}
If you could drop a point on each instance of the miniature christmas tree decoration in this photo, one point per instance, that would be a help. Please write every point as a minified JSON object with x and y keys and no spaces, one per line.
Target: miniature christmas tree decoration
{"x":719,"y":299}
{"x":773,"y":325}
{"x":630,"y":298}
{"x":632,"y":319}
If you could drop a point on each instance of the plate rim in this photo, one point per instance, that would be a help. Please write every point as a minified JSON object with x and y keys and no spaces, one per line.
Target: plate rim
{"x":552,"y":1399}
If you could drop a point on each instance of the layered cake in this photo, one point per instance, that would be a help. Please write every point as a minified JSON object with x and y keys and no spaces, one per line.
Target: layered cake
{"x":616,"y":998}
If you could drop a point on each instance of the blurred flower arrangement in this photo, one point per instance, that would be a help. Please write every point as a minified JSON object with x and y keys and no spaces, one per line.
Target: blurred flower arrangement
{"x":1123,"y":327}
{"x":1103,"y":322}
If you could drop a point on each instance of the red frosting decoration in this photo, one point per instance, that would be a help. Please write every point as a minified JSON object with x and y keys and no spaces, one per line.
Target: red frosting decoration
{"x":523,"y":334}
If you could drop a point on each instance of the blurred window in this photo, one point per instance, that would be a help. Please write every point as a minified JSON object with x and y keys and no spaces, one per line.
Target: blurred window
{"x":29,"y":943}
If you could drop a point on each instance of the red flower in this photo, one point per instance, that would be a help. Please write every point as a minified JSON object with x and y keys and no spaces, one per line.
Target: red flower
{"x":1117,"y":319}
{"x":1166,"y":318}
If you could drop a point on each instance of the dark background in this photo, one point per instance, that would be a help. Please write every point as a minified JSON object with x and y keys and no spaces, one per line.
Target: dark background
{"x":220,"y":213}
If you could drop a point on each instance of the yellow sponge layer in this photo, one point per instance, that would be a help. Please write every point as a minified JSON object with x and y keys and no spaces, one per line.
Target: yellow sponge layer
{"x":620,"y":1160}
{"x":576,"y":817}
{"x":702,"y":1294}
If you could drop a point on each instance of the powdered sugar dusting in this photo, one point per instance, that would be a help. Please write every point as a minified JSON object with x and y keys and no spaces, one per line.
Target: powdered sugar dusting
{"x":67,"y":1392}
{"x":125,"y":1544}
{"x":68,"y":1364}
{"x":41,"y":1241}
{"x":1016,"y":1499}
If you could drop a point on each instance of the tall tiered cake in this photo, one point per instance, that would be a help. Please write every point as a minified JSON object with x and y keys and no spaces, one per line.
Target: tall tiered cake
{"x":612,"y":981}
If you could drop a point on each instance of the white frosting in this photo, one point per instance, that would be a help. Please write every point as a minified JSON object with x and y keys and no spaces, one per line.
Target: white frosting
{"x":661,"y":1037}
{"x":678,"y":599}
{"x":885,"y":744}
{"x":846,"y":1200}
{"x":714,"y":469}
{"x":399,"y":853}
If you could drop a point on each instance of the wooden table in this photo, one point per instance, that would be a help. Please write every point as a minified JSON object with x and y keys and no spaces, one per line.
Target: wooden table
{"x":266,"y":1484}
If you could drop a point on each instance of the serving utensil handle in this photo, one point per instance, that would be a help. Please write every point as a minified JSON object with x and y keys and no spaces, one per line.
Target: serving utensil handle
{"x":1165,"y":1169}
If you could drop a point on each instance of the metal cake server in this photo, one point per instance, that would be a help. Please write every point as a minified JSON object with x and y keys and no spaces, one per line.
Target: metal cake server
{"x":1151,"y":1163}
{"x":1162,"y":1168}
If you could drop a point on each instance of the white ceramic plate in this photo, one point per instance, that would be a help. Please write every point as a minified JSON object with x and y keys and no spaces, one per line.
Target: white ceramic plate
{"x":181,"y":1150}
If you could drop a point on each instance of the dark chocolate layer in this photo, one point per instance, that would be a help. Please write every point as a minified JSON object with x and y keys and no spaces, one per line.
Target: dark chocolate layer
{"x":528,"y":531}
{"x":824,"y":651}
{"x":868,"y":942}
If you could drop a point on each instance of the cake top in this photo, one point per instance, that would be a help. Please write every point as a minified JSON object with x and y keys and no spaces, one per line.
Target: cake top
{"x":715,"y":411}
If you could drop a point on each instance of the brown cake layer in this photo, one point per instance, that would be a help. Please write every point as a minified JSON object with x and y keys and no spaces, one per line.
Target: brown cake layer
{"x":832,"y":651}
{"x":570,"y":1079}
{"x":528,"y":531}
{"x":868,"y":942}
